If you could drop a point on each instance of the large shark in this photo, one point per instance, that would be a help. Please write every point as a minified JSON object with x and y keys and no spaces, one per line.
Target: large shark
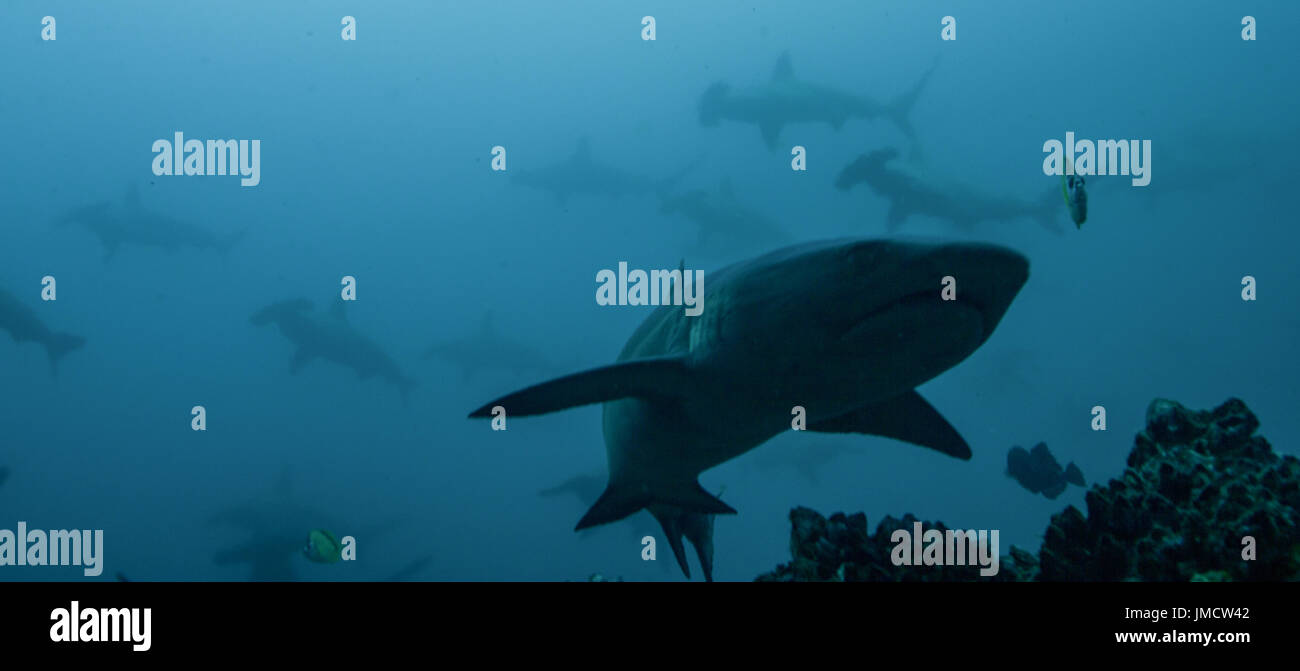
{"x":488,"y":349}
{"x":785,"y":99}
{"x":582,"y":174}
{"x":724,"y":222}
{"x":846,"y":329}
{"x":130,"y":223}
{"x":331,"y":337}
{"x":23,"y":325}
{"x":912,"y":191}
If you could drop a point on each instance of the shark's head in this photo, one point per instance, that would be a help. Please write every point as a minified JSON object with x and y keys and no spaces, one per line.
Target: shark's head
{"x":865,"y":167}
{"x":868,"y":314}
{"x":711,"y":104}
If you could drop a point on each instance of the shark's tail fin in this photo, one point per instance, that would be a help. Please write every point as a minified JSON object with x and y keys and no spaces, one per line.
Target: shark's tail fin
{"x":59,"y":345}
{"x":900,"y":110}
{"x":1073,"y":475}
{"x":711,"y":104}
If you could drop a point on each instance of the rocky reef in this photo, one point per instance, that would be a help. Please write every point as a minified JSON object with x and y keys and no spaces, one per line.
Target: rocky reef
{"x":1196,"y":484}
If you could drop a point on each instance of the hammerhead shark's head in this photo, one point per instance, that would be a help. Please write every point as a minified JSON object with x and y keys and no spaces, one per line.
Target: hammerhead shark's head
{"x":23,"y":325}
{"x":489,"y":349}
{"x":130,"y":223}
{"x":847,"y":329}
{"x":331,"y":337}
{"x":582,"y":174}
{"x":911,"y":191}
{"x":723,"y":221}
{"x":785,"y":99}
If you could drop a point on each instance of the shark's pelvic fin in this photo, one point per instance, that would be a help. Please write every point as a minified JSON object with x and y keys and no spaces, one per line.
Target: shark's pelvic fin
{"x":624,"y":498}
{"x":908,"y":418}
{"x":661,"y":377}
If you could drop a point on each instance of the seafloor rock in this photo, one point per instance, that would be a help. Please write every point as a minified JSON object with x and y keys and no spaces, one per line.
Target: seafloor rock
{"x":839,"y":549}
{"x":1197,"y":483}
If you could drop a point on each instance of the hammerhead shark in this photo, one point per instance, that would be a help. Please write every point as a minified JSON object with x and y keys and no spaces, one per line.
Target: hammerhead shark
{"x":910,"y":191}
{"x":785,"y":99}
{"x":130,"y":223}
{"x":846,"y":329}
{"x":489,"y":349}
{"x":723,"y":221}
{"x":331,"y":337}
{"x":582,"y":174}
{"x":23,"y":325}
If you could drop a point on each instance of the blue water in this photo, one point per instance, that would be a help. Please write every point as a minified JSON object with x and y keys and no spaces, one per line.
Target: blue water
{"x":375,"y":163}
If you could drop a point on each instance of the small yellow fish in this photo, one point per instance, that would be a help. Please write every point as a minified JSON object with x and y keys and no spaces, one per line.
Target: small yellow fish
{"x":1076,"y":198}
{"x":322,"y":547}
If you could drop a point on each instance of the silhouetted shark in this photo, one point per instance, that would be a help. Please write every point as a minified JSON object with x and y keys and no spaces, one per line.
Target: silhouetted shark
{"x":581,"y":174}
{"x":332,"y":338}
{"x":785,"y":99}
{"x":24,"y":326}
{"x":488,"y":349}
{"x":845,"y":328}
{"x":129,"y":223}
{"x":724,"y":223}
{"x":911,"y":191}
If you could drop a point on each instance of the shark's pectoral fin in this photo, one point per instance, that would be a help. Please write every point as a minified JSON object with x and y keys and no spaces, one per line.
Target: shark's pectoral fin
{"x":770,"y":130}
{"x":908,"y":418}
{"x":300,"y":358}
{"x":663,"y":377}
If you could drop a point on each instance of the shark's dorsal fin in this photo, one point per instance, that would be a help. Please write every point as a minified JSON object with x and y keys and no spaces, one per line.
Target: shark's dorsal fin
{"x":339,"y":311}
{"x":659,"y":377}
{"x":783,"y":69}
{"x":908,"y":418}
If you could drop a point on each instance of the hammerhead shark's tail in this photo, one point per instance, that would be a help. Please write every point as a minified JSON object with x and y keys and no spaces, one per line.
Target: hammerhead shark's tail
{"x":900,"y":110}
{"x":59,"y":345}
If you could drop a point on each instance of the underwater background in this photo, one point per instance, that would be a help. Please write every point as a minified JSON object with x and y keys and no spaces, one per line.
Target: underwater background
{"x":376,"y":161}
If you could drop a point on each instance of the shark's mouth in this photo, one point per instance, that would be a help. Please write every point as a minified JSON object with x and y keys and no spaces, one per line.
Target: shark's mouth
{"x":922,"y":316}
